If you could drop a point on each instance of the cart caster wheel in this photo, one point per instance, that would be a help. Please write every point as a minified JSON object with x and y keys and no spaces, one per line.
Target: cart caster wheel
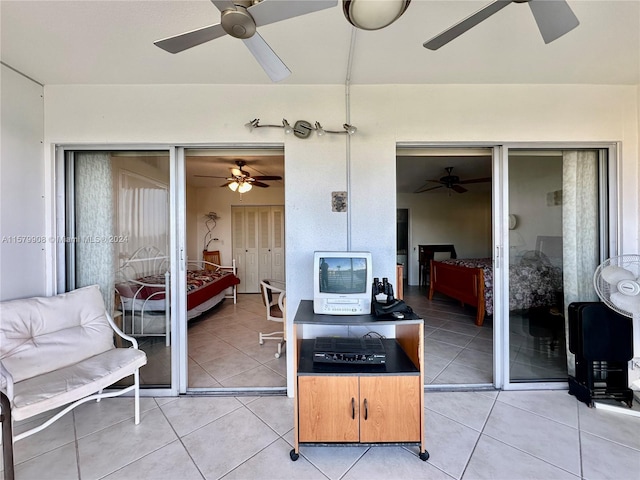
{"x":424,"y":456}
{"x":277,"y":355}
{"x":294,"y":456}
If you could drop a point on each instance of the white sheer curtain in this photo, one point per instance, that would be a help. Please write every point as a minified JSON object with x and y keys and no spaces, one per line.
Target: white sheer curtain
{"x":579,"y":230}
{"x":143,"y":214}
{"x":94,"y":223}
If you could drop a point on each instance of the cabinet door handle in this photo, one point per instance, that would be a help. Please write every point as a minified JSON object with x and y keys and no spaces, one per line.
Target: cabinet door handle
{"x":353,"y":408}
{"x":366,"y":409}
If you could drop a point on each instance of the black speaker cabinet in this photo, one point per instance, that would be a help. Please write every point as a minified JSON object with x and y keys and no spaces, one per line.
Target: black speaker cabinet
{"x":602,"y":342}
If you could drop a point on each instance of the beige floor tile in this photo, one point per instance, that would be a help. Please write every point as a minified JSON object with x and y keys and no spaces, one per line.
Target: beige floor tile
{"x":274,"y":463}
{"x":457,"y":373}
{"x":93,"y":416}
{"x":545,"y":439}
{"x":170,"y":462}
{"x":602,"y":459}
{"x":112,"y":448}
{"x":58,"y":464}
{"x":260,"y":376}
{"x":54,"y":436}
{"x":387,"y":462}
{"x":275,"y":411}
{"x":187,"y":414}
{"x":555,"y":405}
{"x":229,"y":365}
{"x":223,"y":445}
{"x":612,"y":426}
{"x":332,"y":461}
{"x":494,"y":460}
{"x":468,"y":408}
{"x":199,"y":378}
{"x":441,"y":434}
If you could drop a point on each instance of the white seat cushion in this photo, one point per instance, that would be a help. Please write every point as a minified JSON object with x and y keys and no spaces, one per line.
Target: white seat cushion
{"x":43,"y":334}
{"x":60,"y":387}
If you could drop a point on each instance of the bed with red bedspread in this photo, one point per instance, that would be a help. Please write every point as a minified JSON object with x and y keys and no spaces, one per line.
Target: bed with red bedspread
{"x":143,"y":285}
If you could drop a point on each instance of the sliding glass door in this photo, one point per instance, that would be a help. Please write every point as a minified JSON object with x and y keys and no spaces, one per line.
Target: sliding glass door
{"x":555,"y":218}
{"x":116,"y":233}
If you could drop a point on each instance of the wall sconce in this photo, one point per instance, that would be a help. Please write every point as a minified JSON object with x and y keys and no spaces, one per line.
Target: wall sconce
{"x":302,"y":128}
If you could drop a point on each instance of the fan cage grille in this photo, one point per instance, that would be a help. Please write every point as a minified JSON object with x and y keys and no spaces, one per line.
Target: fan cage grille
{"x":604,"y":289}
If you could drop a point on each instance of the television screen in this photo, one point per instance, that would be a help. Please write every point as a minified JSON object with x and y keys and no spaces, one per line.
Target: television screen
{"x":343,"y":275}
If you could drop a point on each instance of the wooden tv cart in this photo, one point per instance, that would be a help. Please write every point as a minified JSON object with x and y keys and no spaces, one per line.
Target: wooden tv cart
{"x":359,"y":404}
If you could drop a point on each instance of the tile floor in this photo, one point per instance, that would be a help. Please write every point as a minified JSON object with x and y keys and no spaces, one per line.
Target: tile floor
{"x":459,"y":352}
{"x":469,"y":435}
{"x":224,"y":350}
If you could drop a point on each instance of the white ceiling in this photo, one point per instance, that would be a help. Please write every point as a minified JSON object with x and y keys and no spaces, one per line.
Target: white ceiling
{"x":111,"y":42}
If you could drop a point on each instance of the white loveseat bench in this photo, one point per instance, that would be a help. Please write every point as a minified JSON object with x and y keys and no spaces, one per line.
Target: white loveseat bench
{"x":57,"y":351}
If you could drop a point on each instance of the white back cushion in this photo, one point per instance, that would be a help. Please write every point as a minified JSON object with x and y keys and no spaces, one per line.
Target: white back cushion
{"x":42,"y":334}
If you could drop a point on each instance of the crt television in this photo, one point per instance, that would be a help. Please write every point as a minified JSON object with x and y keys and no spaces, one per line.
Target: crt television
{"x":342,"y":283}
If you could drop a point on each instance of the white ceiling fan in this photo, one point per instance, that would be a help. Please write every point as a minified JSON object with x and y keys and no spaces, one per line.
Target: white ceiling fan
{"x":240,"y":18}
{"x":554,"y":19}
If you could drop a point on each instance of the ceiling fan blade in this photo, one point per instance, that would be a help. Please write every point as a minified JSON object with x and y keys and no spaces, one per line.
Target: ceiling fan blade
{"x":458,"y":29}
{"x":267,"y":177}
{"x":267,"y":58}
{"x":208,"y":176}
{"x":458,"y":188}
{"x":271,"y":11}
{"x":424,"y":189}
{"x":259,"y":184}
{"x":554,"y":18}
{"x":179,"y":43}
{"x":475,"y":180}
{"x":237,"y":172}
{"x":223,"y":5}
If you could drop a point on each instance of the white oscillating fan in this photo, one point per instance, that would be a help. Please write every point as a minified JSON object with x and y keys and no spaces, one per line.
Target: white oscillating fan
{"x":617,"y":283}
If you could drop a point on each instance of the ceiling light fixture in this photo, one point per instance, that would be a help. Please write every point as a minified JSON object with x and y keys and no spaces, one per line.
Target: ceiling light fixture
{"x":373,"y":14}
{"x":302,"y":128}
{"x":240,"y":186}
{"x":244,"y":187}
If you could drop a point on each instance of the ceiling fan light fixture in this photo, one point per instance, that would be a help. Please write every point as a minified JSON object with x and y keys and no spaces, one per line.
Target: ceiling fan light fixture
{"x":234,"y":186}
{"x":373,"y":14}
{"x":244,"y":187}
{"x":319,"y":130}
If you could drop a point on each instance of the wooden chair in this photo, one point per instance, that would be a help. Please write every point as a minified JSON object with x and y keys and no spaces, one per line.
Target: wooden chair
{"x":275,"y":312}
{"x":212,"y":256}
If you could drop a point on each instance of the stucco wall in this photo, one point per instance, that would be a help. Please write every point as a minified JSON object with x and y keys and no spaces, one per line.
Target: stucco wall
{"x":384,"y":115}
{"x":23,"y":262}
